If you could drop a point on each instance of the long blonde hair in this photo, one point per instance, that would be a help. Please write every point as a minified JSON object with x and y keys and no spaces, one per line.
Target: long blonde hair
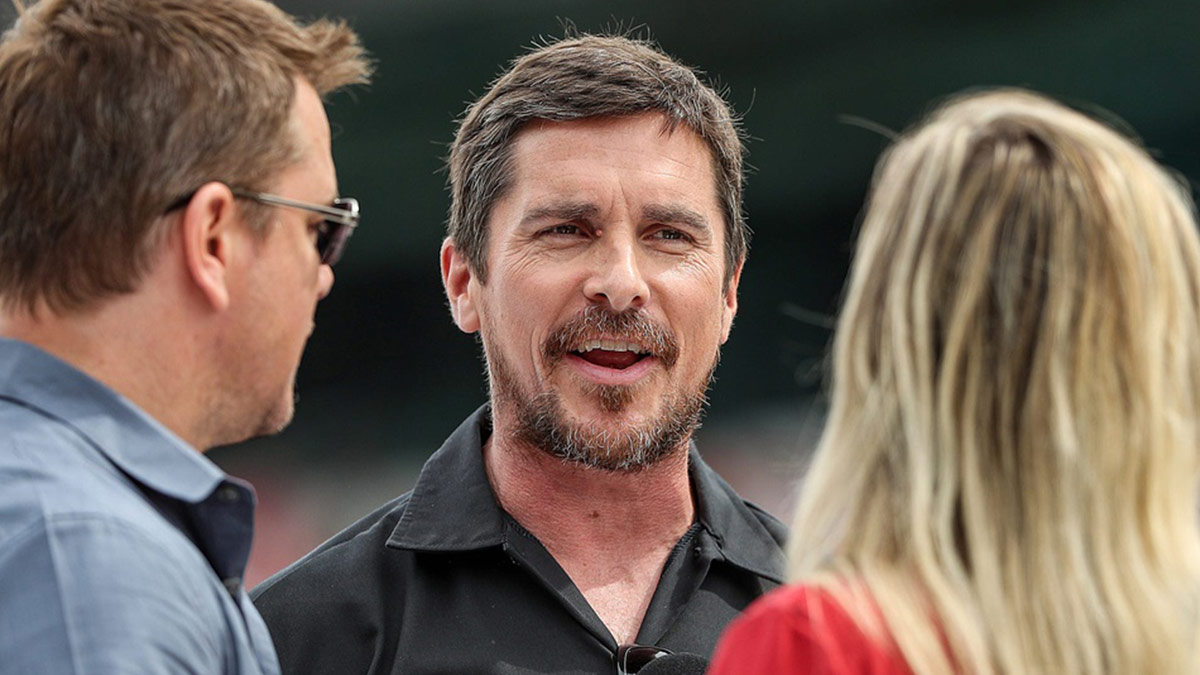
{"x":1009,"y":469}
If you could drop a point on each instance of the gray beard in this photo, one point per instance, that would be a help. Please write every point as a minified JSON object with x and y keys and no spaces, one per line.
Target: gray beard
{"x":542,"y":423}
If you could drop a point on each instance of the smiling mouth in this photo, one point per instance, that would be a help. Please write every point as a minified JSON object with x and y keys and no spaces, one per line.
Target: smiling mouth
{"x":624,"y":346}
{"x":614,"y":354}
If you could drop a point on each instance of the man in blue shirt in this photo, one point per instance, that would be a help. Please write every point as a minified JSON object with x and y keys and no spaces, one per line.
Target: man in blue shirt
{"x":168,"y":219}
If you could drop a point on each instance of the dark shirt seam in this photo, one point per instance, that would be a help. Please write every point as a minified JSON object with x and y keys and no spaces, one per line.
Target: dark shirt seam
{"x":684,"y":543}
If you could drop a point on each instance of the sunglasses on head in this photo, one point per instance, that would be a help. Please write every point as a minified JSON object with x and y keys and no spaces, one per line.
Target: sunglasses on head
{"x":338,"y":222}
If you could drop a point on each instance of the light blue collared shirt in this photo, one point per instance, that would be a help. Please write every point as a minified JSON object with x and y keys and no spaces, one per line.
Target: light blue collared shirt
{"x":122,"y":548}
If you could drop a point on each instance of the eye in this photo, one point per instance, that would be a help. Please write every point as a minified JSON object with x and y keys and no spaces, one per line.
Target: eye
{"x":670,"y":234}
{"x":562,"y":229}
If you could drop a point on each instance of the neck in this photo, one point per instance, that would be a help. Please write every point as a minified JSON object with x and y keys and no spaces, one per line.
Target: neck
{"x":569,"y":506}
{"x":611,"y":532}
{"x":129,"y":344}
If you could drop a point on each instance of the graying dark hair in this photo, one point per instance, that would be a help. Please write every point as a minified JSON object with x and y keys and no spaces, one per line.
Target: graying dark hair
{"x":577,"y":78}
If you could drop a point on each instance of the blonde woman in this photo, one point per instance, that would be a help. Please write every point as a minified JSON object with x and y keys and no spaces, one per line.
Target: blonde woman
{"x":1007,"y":480}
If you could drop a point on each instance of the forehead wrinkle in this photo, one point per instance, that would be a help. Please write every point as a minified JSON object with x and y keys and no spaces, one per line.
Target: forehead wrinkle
{"x":675,"y":167}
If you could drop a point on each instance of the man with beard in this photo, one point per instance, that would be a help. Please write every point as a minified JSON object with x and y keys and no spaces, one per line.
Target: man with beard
{"x":595,"y":242}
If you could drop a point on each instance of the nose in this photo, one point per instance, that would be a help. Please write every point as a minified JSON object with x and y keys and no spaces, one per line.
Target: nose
{"x":324,"y":281}
{"x":617,"y":277}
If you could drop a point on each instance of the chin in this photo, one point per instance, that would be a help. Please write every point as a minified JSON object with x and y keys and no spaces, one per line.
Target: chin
{"x":272,"y":426}
{"x":276,"y":417}
{"x":280,"y":423}
{"x":627,"y":403}
{"x":600,"y":418}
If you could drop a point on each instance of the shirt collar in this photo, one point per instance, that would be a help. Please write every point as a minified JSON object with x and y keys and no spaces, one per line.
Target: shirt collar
{"x":452,"y":507}
{"x":743,"y":539}
{"x":135,"y":442}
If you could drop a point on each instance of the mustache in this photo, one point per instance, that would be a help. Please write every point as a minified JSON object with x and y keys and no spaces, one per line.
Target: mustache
{"x":594,"y":322}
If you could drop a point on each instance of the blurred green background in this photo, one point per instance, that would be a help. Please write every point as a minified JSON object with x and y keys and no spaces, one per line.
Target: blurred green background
{"x":387,"y":376}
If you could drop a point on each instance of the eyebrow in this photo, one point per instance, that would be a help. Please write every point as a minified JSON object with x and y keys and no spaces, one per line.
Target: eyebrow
{"x":585,"y":211}
{"x":676,"y":215}
{"x":566,"y":210}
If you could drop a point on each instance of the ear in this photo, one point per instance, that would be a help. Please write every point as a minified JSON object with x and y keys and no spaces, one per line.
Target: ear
{"x":730,"y":302}
{"x":208,"y":226}
{"x":456,"y":278}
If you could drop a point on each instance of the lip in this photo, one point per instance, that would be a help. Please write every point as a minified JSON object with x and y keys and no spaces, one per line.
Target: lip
{"x":612,"y":376}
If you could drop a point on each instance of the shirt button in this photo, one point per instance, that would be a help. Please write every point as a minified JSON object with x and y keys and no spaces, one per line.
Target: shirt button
{"x":228,"y":494}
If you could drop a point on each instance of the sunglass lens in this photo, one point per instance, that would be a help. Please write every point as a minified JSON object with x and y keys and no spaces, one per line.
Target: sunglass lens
{"x":631,"y":658}
{"x":331,"y":240}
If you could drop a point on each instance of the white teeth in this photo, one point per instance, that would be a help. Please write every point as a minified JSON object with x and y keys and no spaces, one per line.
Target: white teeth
{"x":612,"y":346}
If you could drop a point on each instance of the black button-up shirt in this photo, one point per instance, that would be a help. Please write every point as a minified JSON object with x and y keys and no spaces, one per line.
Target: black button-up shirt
{"x":442,"y":580}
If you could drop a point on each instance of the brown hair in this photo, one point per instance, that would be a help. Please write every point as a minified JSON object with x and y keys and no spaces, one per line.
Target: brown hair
{"x":110,"y":110}
{"x":576,"y":78}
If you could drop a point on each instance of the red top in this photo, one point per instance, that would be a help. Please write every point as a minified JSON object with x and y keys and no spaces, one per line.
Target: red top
{"x":801,"y":629}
